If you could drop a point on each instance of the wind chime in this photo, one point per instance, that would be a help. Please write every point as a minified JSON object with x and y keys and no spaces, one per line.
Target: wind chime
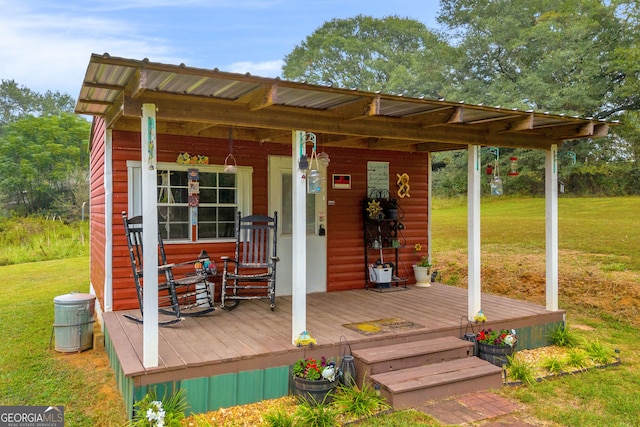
{"x":496,"y":181}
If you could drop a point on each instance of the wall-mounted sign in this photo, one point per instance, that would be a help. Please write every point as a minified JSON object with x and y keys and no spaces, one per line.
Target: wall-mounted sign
{"x":377,"y":177}
{"x":341,"y":182}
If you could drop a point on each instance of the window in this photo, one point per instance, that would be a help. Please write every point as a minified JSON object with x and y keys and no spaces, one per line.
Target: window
{"x":221,"y":195}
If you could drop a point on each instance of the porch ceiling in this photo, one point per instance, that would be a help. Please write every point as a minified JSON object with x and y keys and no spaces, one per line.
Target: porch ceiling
{"x":201,"y":102}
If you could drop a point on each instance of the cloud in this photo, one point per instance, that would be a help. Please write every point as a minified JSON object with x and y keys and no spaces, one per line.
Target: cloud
{"x":50,"y":50}
{"x":263,"y":69}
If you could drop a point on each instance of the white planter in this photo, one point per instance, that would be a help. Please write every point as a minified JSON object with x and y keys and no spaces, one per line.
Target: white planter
{"x":423,"y":276}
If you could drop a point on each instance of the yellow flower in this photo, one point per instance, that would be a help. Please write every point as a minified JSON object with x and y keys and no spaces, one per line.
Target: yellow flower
{"x":417,"y":247}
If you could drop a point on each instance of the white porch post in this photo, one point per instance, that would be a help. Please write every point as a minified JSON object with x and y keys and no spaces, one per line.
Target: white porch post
{"x":108,"y":220}
{"x":473,"y":231}
{"x":150,"y":237}
{"x":299,"y":245}
{"x":429,"y":200}
{"x":551,"y":219}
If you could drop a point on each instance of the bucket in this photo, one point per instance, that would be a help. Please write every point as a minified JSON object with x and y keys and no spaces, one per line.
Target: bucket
{"x":73,"y":322}
{"x":314,"y":391}
{"x":495,"y":354}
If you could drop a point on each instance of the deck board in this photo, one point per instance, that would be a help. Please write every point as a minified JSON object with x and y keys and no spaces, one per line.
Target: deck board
{"x":252,"y":335}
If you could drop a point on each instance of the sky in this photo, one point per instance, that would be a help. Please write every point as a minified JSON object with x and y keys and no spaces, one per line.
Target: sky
{"x":46,"y":44}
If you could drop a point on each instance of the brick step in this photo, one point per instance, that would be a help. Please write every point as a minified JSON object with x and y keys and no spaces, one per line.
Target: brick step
{"x":376,"y":360}
{"x":411,"y":387}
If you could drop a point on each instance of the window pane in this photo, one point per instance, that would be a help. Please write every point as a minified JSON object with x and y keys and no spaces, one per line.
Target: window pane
{"x":228,"y":180}
{"x":226,"y":229}
{"x":207,"y":230}
{"x":178,"y":178}
{"x":173,"y":213}
{"x":180,"y":195}
{"x":208,"y":179}
{"x":176,"y":231}
{"x":206,"y":214}
{"x":228,"y":196}
{"x":227,"y":214}
{"x":208,"y":196}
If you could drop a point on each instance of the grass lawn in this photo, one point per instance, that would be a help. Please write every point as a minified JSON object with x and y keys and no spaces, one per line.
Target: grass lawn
{"x":33,"y":374}
{"x":599,"y":288}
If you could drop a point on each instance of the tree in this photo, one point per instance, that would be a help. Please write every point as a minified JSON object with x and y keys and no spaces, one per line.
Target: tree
{"x":392,"y":55}
{"x":39,"y":161}
{"x":545,"y":55}
{"x":578,"y":57}
{"x":18,"y":101}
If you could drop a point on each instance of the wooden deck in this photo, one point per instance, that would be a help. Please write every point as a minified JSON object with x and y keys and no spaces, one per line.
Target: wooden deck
{"x":253,"y":337}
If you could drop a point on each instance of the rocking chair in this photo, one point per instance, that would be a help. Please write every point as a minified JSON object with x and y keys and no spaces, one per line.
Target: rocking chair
{"x":186,"y":296}
{"x":251,"y":274}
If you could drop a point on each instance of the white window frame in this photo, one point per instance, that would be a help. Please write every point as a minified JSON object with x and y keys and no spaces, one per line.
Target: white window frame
{"x":244,"y":191}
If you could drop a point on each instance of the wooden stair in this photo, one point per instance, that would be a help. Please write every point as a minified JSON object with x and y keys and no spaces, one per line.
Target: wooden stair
{"x":411,"y":373}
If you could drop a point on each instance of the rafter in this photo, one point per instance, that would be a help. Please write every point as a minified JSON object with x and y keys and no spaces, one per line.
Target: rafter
{"x":264,"y":96}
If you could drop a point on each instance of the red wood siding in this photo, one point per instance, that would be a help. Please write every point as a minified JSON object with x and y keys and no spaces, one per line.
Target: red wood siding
{"x":344,"y":219}
{"x":97,"y":209}
{"x":345,"y":225}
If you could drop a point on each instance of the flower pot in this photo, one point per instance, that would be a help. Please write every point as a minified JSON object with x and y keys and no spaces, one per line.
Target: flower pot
{"x":423,"y":276}
{"x":495,"y":354}
{"x":314,"y":391}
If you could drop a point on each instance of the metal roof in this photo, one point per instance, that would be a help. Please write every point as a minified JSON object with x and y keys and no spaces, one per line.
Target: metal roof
{"x":201,"y":102}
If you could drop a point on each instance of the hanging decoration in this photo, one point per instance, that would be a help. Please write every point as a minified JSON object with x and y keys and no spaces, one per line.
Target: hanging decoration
{"x":194,"y":187}
{"x":513,"y":166}
{"x":403,"y":185}
{"x":314,"y":180}
{"x":496,"y":181}
{"x":230,"y":165}
{"x":374,"y":209}
{"x":303,"y":163}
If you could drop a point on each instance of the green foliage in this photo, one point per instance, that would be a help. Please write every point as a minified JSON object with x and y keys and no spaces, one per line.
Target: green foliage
{"x":315,"y":414}
{"x":39,"y":162}
{"x":152,"y":411}
{"x":392,"y":54}
{"x":359,"y":402}
{"x":554,"y":365}
{"x":577,"y":358}
{"x":563,"y":336}
{"x":36,"y":239}
{"x":278,"y":417}
{"x":31,"y":373}
{"x":519,"y":370}
{"x":598,"y":352}
{"x":17,"y":102}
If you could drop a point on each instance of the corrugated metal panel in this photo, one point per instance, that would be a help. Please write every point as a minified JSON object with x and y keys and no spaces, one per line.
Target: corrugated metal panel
{"x":106,"y":78}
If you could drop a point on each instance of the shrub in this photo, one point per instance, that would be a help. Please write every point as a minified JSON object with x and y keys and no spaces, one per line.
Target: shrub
{"x":577,"y":358}
{"x":359,"y":402}
{"x":564,"y":337}
{"x":554,"y":365}
{"x":278,"y":417}
{"x":315,"y":414}
{"x":598,"y":352}
{"x":520,"y":370}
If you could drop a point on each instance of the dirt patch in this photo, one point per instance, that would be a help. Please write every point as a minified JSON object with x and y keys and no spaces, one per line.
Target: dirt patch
{"x":584,"y":282}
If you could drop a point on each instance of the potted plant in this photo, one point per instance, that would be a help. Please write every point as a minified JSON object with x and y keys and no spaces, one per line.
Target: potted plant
{"x":315,"y":379}
{"x":422,"y":268}
{"x":495,"y":345}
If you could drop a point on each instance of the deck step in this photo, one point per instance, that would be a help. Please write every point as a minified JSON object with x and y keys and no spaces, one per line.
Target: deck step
{"x":376,"y":360}
{"x":410,"y":387}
